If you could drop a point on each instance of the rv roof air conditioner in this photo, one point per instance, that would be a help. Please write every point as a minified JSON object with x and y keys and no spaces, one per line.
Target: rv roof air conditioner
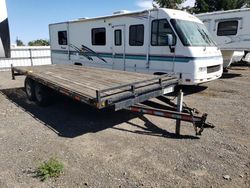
{"x":121,"y":12}
{"x":84,"y":18}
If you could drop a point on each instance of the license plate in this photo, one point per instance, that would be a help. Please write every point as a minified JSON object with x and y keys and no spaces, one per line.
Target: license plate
{"x":168,"y":90}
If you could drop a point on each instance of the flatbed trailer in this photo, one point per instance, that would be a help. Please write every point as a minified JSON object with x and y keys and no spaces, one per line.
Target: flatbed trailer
{"x":104,"y":88}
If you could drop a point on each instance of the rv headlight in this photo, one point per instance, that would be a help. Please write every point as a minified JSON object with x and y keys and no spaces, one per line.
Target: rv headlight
{"x":202,"y":69}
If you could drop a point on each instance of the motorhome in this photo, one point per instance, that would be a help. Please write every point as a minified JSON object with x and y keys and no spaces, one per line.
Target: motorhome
{"x":155,"y":41}
{"x":230,"y":30}
{"x":4,"y":31}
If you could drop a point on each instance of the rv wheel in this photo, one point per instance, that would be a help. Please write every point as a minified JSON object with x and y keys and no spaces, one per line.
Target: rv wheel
{"x":30,"y":89}
{"x":78,"y":64}
{"x":225,"y":70}
{"x":42,"y":94}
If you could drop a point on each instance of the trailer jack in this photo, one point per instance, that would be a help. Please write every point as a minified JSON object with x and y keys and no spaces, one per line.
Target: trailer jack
{"x":177,"y":112}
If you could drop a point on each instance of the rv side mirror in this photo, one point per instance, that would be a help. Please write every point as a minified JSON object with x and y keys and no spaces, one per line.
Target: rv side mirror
{"x":170,"y":39}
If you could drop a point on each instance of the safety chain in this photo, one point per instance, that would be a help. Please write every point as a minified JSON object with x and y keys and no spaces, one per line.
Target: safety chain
{"x":198,"y":129}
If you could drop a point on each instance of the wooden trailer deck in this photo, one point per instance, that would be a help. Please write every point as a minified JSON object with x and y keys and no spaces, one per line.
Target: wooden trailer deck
{"x":99,"y":87}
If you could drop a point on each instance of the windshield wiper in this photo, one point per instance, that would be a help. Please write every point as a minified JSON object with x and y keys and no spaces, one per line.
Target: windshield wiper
{"x":205,"y":36}
{"x":211,"y":41}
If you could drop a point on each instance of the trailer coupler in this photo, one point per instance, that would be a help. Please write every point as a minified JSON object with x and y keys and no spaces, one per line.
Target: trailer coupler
{"x":187,"y":114}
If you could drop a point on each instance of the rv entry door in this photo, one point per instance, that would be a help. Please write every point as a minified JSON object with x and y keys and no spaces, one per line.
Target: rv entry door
{"x":118,"y":47}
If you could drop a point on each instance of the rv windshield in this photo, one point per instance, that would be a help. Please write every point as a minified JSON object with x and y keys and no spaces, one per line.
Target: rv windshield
{"x":192,"y":33}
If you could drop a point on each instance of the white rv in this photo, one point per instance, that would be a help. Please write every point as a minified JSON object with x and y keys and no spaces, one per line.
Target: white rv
{"x":155,"y":41}
{"x":231,"y":31}
{"x":4,"y":31}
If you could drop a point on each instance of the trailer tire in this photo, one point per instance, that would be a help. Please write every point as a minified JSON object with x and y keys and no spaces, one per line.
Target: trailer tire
{"x":29,"y":86}
{"x":42,"y":93}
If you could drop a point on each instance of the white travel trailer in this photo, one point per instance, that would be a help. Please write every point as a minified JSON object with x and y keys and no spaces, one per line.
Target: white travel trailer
{"x":4,"y":31}
{"x":155,"y":41}
{"x":230,"y":30}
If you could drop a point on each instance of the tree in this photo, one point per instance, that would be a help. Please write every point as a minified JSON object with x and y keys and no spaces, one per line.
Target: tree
{"x":214,"y":5}
{"x":202,"y":6}
{"x":174,"y":4}
{"x":39,"y":42}
{"x":19,"y":42}
{"x":234,"y":4}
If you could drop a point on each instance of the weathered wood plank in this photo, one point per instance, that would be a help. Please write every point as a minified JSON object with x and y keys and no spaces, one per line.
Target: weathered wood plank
{"x":87,"y":80}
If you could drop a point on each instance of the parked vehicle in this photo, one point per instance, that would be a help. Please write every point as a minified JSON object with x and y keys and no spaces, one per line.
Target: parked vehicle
{"x":155,"y":41}
{"x":4,"y":31}
{"x":231,"y":31}
{"x":105,"y":88}
{"x":113,"y":89}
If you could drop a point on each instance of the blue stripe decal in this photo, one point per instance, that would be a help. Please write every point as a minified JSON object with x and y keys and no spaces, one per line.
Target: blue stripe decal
{"x":178,"y":59}
{"x":59,"y":51}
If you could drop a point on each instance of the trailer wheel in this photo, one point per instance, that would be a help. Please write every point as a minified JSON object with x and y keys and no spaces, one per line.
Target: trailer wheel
{"x":42,"y":94}
{"x":30,"y":89}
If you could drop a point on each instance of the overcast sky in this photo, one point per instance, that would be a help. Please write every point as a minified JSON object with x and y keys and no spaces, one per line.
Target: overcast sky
{"x":189,"y":3}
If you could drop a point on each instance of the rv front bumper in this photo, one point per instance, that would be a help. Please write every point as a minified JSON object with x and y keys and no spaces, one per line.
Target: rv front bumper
{"x":209,"y":73}
{"x":206,"y":74}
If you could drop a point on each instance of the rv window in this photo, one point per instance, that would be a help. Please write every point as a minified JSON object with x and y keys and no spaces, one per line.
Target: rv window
{"x":159,"y":32}
{"x":226,"y":28}
{"x":62,"y":38}
{"x":99,"y":36}
{"x":118,"y":37}
{"x":136,"y":35}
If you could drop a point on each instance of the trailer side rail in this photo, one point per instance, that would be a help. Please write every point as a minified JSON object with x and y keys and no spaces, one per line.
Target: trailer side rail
{"x":128,"y":96}
{"x":118,"y":97}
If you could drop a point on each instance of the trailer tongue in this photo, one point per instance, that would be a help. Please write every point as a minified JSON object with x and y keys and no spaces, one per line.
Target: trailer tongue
{"x":105,"y":88}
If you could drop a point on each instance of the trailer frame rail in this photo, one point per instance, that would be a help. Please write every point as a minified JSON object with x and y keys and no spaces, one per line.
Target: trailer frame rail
{"x":177,"y":112}
{"x":132,"y":97}
{"x":117,"y":97}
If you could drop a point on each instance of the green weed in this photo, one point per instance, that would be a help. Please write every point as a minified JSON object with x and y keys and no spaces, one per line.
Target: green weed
{"x":49,"y":169}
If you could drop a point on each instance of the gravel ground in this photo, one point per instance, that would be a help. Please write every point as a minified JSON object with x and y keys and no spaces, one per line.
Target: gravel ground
{"x":122,"y":149}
